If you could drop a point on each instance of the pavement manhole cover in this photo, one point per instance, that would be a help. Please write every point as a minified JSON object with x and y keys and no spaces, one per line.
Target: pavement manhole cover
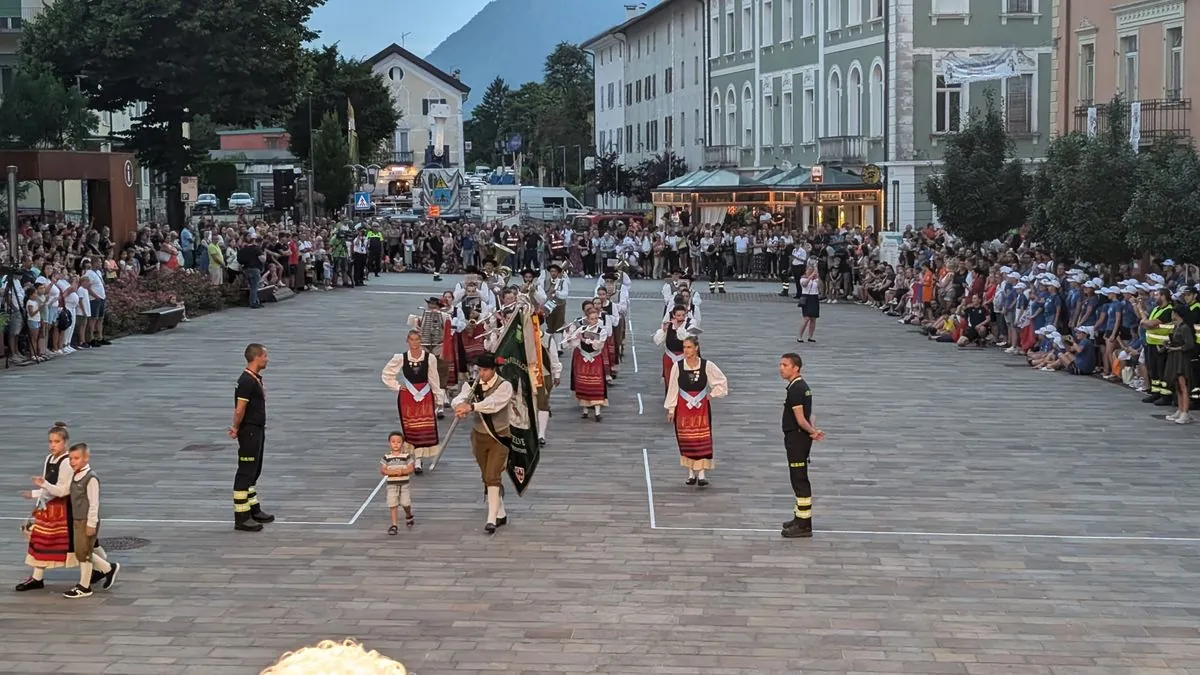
{"x":152,"y":365}
{"x":123,"y":543}
{"x":201,"y":447}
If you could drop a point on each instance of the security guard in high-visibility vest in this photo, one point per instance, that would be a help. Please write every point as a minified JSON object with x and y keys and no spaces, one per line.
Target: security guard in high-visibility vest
{"x":374,"y":250}
{"x":1193,"y":305}
{"x":1159,"y":324}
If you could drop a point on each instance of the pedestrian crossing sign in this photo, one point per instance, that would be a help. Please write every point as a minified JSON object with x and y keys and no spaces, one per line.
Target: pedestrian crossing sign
{"x":362,"y":201}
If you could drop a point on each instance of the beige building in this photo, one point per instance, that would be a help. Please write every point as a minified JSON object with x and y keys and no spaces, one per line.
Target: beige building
{"x":430,"y":102}
{"x":1138,"y":50}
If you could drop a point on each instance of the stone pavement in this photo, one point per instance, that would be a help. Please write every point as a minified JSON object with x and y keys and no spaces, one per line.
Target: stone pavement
{"x":974,"y":518}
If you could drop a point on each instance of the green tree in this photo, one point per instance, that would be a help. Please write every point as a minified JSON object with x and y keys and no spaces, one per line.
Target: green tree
{"x":331,"y":154}
{"x":239,"y":64}
{"x":486,"y":125}
{"x":218,"y":177}
{"x":980,"y":193}
{"x":566,"y":117}
{"x":332,"y":81}
{"x":654,"y":172}
{"x":38,"y":111}
{"x":1164,"y":213}
{"x":610,"y":178}
{"x":203,"y":134}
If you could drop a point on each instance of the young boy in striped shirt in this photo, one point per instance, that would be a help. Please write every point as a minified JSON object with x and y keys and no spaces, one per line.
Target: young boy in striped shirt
{"x":397,"y":466}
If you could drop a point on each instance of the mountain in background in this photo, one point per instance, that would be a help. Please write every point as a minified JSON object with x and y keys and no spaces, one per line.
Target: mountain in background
{"x":512,"y":38}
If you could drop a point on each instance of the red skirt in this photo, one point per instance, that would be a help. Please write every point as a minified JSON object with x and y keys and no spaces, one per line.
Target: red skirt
{"x":667,"y":363}
{"x":50,"y":536}
{"x":610,"y":354}
{"x":1027,"y":339}
{"x":418,"y":419}
{"x":587,"y":378}
{"x":449,"y":355}
{"x":693,"y":430}
{"x":472,"y":344}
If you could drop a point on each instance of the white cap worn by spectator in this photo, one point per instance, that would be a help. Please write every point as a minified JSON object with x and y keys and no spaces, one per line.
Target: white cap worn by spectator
{"x":1168,"y":263}
{"x":41,"y":281}
{"x":1005,"y":269}
{"x":1086,"y":330}
{"x":1156,"y":278}
{"x":1020,"y":286}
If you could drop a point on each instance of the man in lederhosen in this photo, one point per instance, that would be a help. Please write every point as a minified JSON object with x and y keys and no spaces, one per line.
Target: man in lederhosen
{"x":491,"y":400}
{"x":798,"y":436}
{"x":249,"y":428}
{"x":557,"y":287}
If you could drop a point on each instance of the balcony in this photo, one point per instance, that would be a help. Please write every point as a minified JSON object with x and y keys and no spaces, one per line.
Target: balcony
{"x":841,"y":150}
{"x":402,"y":157}
{"x":1161,"y":119}
{"x":721,"y":156}
{"x":14,"y":24}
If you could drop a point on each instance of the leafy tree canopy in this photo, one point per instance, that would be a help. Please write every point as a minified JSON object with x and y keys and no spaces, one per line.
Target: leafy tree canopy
{"x":333,"y":80}
{"x":38,"y":111}
{"x":654,"y":172}
{"x":1164,"y":214}
{"x":486,"y":125}
{"x":980,"y":193}
{"x":331,"y":153}
{"x":610,"y":178}
{"x":236,"y":63}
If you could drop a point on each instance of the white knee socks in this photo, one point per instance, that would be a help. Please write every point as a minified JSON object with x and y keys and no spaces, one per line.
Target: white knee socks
{"x":493,"y":501}
{"x":597,"y":409}
{"x":543,"y":421}
{"x":39,"y":573}
{"x":85,"y":574}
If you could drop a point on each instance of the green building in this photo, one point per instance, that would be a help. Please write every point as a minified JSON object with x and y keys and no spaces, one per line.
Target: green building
{"x":860,"y":85}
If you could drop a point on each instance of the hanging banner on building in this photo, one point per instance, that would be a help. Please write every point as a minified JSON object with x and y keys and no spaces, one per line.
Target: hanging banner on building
{"x":1091,"y":122}
{"x":995,"y":66}
{"x":1135,"y":124}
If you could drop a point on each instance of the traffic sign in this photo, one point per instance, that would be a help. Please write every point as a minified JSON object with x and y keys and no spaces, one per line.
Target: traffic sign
{"x":362,"y":201}
{"x":817,"y":174}
{"x":435,"y":211}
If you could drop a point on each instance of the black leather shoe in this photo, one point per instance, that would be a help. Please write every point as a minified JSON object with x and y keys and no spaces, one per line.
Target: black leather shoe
{"x":797,"y":529}
{"x":31,"y":584}
{"x":490,"y":528}
{"x":690,"y":481}
{"x":261,"y":516}
{"x":419,"y":470}
{"x":501,"y":521}
{"x":247,"y":526}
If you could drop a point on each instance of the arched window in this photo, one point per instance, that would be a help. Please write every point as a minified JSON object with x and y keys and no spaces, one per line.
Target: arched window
{"x":877,"y":102}
{"x":715,"y":132}
{"x":731,"y":132}
{"x":833,"y":105}
{"x":854,"y":102}
{"x":747,"y":117}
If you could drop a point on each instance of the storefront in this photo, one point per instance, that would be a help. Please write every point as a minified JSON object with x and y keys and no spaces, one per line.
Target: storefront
{"x":840,"y":198}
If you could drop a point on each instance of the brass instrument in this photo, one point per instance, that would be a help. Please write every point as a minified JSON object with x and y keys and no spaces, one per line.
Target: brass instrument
{"x":504,"y":249}
{"x":504,"y":273}
{"x":622,"y":265}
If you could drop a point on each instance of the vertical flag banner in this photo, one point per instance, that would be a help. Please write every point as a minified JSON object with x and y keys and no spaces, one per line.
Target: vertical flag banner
{"x":516,"y":347}
{"x":352,"y":131}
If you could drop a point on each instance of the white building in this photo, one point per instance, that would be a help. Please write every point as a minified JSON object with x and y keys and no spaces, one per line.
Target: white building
{"x":650,"y":74}
{"x":430,"y":102}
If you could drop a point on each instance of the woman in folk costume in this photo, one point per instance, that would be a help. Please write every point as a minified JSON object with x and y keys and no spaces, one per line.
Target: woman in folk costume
{"x":610,"y":316}
{"x":413,"y":375}
{"x":432,"y":324}
{"x":670,"y":337}
{"x":588,"y":379}
{"x":49,"y":529}
{"x":692,"y":384}
{"x":448,"y":351}
{"x":468,"y":322}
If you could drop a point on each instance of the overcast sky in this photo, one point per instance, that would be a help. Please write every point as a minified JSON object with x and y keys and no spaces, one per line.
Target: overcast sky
{"x":363,"y":27}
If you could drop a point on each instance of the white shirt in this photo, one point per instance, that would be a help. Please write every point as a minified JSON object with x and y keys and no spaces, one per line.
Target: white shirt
{"x":70,"y":300}
{"x":799,"y":256}
{"x":97,"y":284}
{"x":741,"y":243}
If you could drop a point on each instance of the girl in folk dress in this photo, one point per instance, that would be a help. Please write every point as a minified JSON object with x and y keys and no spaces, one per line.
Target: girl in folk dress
{"x":670,"y":337}
{"x":49,"y":530}
{"x":413,"y":375}
{"x":692,"y":383}
{"x":588,"y":377}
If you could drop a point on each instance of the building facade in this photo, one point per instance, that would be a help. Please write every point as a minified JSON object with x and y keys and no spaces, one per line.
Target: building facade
{"x":1132,"y":50}
{"x":650,"y":74}
{"x":430,"y":102}
{"x":853,"y":84}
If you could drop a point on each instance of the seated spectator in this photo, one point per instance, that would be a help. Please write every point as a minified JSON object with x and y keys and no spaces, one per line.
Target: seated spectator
{"x":977,"y":320}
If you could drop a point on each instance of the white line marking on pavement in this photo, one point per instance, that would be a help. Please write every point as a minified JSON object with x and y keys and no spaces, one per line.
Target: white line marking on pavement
{"x":632,"y":340}
{"x":639,"y":402}
{"x":155,"y":521}
{"x":649,"y":488}
{"x":368,"y":500}
{"x":957,"y":535}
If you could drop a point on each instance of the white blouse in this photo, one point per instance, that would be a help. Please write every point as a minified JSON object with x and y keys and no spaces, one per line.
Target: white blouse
{"x":718,"y":385}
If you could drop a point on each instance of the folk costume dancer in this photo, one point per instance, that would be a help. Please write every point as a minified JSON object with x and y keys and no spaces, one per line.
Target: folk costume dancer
{"x":557,"y":288}
{"x":671,"y":289}
{"x":468,"y":323}
{"x":550,"y":380}
{"x":610,"y":316}
{"x":670,"y":337}
{"x":474,"y":274}
{"x":249,"y":429}
{"x":589,"y":378}
{"x":491,"y":400}
{"x":447,"y":351}
{"x":798,"y":436}
{"x":50,"y":528}
{"x":688,"y":300}
{"x":432,"y":327}
{"x":414,"y":377}
{"x":692,"y":384}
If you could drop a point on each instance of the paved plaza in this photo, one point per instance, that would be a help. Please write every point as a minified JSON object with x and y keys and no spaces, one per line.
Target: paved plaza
{"x":973,"y":516}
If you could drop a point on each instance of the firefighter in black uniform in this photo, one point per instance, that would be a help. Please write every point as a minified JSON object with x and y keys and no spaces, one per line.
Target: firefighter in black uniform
{"x":374,"y":250}
{"x":798,"y":436}
{"x":1193,"y":306}
{"x":249,"y":428}
{"x":714,"y":260}
{"x":1159,"y":324}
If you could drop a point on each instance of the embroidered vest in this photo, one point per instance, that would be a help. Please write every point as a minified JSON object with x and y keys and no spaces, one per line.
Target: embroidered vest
{"x":693,"y":384}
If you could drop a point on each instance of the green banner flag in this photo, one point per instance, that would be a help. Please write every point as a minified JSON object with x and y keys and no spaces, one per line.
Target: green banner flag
{"x":514,"y":350}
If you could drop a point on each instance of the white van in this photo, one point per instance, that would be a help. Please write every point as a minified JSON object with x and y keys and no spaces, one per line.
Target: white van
{"x":550,"y":203}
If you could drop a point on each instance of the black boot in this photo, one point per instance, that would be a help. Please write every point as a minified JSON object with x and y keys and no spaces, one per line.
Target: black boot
{"x":243,"y":522}
{"x":260,"y":516}
{"x":721,"y":287}
{"x":1152,"y":398}
{"x":797,"y":528}
{"x":1166,"y":401}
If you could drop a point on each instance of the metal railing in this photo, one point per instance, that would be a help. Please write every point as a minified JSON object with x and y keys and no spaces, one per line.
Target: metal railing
{"x":402,"y":157}
{"x":1161,"y":119}
{"x":841,"y":150}
{"x":721,"y":156}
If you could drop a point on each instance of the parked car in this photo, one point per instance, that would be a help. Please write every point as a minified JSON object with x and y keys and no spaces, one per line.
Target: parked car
{"x":207,"y":201}
{"x":241,"y":200}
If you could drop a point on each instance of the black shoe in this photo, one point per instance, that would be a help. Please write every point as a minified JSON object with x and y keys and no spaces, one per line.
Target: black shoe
{"x":111,"y":577}
{"x":1165,"y":401}
{"x":419,"y":470}
{"x":797,"y":529}
{"x":106,"y":342}
{"x":583,"y":415}
{"x":78,"y":591}
{"x":597,"y":417}
{"x":261,"y":516}
{"x":541,"y":441}
{"x":1152,"y":398}
{"x":703,"y":482}
{"x":490,"y":528}
{"x":690,"y":481}
{"x":393,"y":530}
{"x":441,"y":415}
{"x":31,"y":584}
{"x":247,"y":526}
{"x":97,"y":577}
{"x":501,"y":521}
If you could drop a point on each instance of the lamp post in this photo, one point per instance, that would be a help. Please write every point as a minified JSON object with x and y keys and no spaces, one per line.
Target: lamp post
{"x":356,"y":170}
{"x":12,"y":215}
{"x":312,"y":167}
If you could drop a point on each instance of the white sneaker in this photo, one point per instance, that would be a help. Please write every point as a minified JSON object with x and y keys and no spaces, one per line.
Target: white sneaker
{"x":1174,"y":416}
{"x":1183,"y":419}
{"x":1010,"y":350}
{"x":1047,"y":369}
